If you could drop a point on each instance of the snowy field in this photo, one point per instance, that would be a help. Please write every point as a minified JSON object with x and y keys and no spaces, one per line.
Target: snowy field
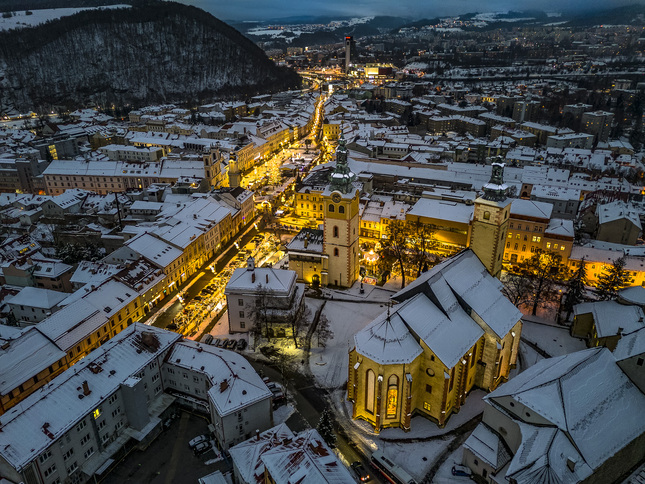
{"x":20,"y":18}
{"x":329,"y":364}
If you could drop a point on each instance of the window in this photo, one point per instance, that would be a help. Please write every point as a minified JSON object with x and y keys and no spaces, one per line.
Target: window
{"x":116,"y":411}
{"x":240,"y":302}
{"x":45,"y":456}
{"x":510,"y":235}
{"x":370,"y":385}
{"x":426,"y":406}
{"x":508,"y":245}
{"x":639,"y":362}
{"x":85,"y":439}
{"x":548,"y":245}
{"x":452,"y":378}
{"x":50,"y":471}
{"x":515,"y":247}
{"x":80,"y":426}
{"x":331,"y":208}
{"x":241,"y":314}
{"x":113,"y":398}
{"x":96,"y":413}
{"x":562,"y":247}
{"x":72,"y":467}
{"x":101,"y":424}
{"x":335,"y":231}
{"x":555,"y":246}
{"x":242,"y":324}
{"x":341,"y":209}
{"x":88,"y":452}
{"x":336,"y":251}
{"x":68,"y":454}
{"x":392,"y":396}
{"x":486,"y":215}
{"x":428,"y":388}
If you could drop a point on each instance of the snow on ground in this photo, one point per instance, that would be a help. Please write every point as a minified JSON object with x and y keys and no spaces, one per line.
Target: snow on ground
{"x":555,"y":340}
{"x":415,"y":458}
{"x":444,"y":473}
{"x":20,"y":19}
{"x":329,"y":364}
{"x":528,"y":355}
{"x":282,"y":414}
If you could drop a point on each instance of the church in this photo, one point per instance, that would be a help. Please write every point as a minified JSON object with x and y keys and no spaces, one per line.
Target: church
{"x":452,"y":330}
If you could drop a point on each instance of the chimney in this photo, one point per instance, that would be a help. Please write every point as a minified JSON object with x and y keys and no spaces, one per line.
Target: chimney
{"x":571,"y":463}
{"x":620,"y":331}
{"x":257,"y":434}
{"x":86,"y":388}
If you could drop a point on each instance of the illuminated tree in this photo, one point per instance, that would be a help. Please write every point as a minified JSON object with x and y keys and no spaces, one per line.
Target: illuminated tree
{"x":395,"y":245}
{"x":543,"y":272}
{"x":613,"y":279}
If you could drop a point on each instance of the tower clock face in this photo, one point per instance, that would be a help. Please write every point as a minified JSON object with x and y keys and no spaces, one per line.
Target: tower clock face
{"x":335,"y":197}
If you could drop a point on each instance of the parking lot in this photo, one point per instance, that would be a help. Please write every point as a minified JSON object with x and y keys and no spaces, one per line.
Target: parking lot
{"x":169,"y":459}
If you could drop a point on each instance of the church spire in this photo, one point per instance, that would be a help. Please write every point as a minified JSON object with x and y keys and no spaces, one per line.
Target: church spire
{"x":342,"y":177}
{"x":495,"y":189}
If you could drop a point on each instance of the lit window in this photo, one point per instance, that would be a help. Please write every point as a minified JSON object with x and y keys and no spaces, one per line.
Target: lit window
{"x":96,"y":413}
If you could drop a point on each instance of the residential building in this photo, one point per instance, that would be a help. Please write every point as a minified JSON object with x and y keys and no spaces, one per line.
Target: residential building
{"x":602,"y":323}
{"x":265,"y":293}
{"x":306,"y":257}
{"x":31,"y":305}
{"x":597,"y":123}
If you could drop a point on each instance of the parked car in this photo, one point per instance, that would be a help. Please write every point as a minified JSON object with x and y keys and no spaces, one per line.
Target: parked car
{"x":222,"y":343}
{"x":241,"y":345}
{"x":202,"y":447}
{"x":360,"y":471}
{"x":197,"y":298}
{"x":231,"y":344}
{"x":216,"y":342}
{"x":206,"y":339}
{"x":198,"y":440}
{"x":463,"y":471}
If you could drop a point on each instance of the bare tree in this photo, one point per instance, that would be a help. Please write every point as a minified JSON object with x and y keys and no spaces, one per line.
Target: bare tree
{"x":395,"y":244}
{"x":323,"y":331}
{"x":259,"y":313}
{"x":422,"y":242}
{"x":299,"y":324}
{"x":543,"y":271}
{"x":517,"y":289}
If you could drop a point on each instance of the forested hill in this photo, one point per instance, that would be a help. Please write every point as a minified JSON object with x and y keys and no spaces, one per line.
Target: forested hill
{"x":152,"y":52}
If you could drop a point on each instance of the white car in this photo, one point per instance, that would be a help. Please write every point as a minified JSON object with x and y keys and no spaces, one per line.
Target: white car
{"x":198,"y":440}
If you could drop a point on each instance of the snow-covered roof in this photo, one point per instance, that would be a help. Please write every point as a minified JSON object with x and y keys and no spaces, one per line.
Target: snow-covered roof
{"x":154,"y":249}
{"x":560,"y":227}
{"x":611,"y":318}
{"x":32,"y":425}
{"x":235,"y":383}
{"x":631,"y":344}
{"x":306,"y":460}
{"x":243,"y":280}
{"x":486,"y":444}
{"x":617,"y":210}
{"x":247,"y":455}
{"x":633,"y":295}
{"x":583,"y":394}
{"x":26,"y":354}
{"x":93,"y":273}
{"x":37,"y":298}
{"x":468,"y":279}
{"x":530,"y":208}
{"x":443,"y":210}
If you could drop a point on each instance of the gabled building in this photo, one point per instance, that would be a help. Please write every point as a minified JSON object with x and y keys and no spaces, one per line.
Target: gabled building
{"x":452,"y":331}
{"x":570,"y":419}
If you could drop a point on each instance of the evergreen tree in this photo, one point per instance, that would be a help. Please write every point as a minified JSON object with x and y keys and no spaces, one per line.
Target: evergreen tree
{"x":326,"y":428}
{"x":613,"y":279}
{"x":575,"y":289}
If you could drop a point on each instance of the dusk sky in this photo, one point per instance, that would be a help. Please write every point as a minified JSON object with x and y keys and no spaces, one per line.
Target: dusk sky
{"x":270,"y":9}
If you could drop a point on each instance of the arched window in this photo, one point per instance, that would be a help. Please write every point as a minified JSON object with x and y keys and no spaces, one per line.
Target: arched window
{"x":336,"y":251}
{"x":486,"y":215}
{"x":331,"y":208}
{"x":335,"y":231}
{"x":370,"y":383}
{"x":392,"y":396}
{"x":341,"y":209}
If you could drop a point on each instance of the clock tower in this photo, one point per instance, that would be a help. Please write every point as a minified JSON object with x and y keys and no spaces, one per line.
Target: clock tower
{"x":341,"y":219}
{"x":490,"y":222}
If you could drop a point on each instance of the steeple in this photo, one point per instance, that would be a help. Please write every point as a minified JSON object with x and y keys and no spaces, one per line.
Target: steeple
{"x":495,"y":189}
{"x":342,"y":177}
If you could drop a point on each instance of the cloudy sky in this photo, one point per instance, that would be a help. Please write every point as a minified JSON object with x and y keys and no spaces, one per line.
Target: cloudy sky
{"x":271,"y":9}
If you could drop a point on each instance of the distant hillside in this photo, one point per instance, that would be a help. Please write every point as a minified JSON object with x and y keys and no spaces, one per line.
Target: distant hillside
{"x":157,"y":51}
{"x":15,"y":5}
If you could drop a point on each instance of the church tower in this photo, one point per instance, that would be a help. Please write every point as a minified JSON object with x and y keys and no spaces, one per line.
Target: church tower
{"x":490,"y":222}
{"x":341,"y":219}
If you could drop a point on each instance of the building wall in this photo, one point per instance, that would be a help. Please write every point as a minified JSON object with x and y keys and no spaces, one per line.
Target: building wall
{"x":241,"y":425}
{"x":489,"y":228}
{"x":620,"y":231}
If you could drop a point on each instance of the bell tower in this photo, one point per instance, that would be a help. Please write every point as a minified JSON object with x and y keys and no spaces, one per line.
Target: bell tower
{"x":490,"y":221}
{"x":341,"y":219}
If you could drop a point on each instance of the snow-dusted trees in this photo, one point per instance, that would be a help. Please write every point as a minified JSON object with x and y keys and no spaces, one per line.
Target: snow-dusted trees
{"x":613,"y":279}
